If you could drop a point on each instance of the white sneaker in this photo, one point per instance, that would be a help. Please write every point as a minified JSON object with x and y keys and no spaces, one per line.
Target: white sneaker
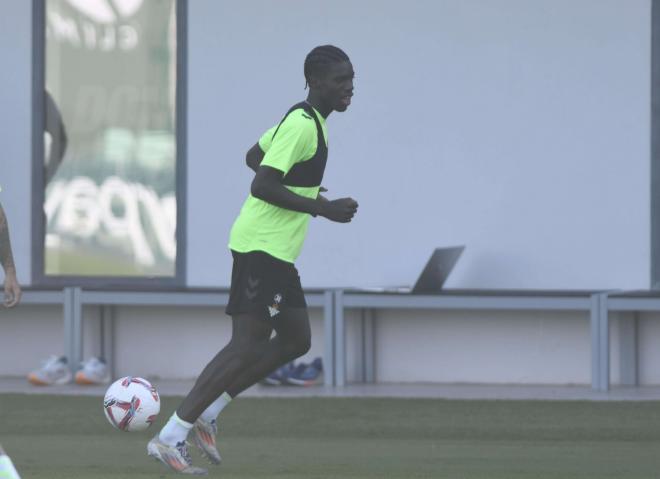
{"x":54,"y":370}
{"x":93,"y":371}
{"x":175,"y":458}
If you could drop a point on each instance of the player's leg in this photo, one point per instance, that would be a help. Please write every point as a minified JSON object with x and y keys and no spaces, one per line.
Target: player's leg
{"x":287,"y":312}
{"x":293,"y":339}
{"x":250,"y":334}
{"x":252,"y":280}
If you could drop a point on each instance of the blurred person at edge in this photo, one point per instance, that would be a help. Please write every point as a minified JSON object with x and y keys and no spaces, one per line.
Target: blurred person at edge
{"x":11,"y":286}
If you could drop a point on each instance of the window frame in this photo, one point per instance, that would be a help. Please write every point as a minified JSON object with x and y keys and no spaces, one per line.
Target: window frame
{"x":39,"y":277}
{"x":655,"y":145}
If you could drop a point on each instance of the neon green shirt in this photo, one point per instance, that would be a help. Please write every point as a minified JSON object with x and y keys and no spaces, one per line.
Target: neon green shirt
{"x":262,"y":226}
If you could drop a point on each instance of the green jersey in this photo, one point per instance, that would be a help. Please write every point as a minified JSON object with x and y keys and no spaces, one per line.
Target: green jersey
{"x":291,"y":147}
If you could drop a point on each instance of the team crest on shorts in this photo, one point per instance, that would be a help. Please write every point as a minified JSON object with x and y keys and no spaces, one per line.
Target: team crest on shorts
{"x":274,"y":309}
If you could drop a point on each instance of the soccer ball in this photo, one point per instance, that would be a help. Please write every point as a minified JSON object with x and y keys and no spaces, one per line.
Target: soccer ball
{"x":131,"y":404}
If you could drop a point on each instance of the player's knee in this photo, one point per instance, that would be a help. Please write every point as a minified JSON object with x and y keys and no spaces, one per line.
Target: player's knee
{"x":249,"y":349}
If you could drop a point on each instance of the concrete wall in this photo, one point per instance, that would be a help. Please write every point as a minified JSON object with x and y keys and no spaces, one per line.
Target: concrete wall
{"x":501,"y":347}
{"x":427,"y":346}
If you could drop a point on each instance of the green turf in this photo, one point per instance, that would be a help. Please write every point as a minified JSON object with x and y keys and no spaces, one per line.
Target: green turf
{"x":68,"y":437}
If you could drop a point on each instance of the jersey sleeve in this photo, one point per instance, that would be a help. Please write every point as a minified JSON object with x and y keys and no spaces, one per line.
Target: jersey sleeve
{"x":292,"y":144}
{"x":266,"y":139}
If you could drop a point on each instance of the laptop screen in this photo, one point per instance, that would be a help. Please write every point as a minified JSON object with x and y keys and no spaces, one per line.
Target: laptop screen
{"x":437,"y":269}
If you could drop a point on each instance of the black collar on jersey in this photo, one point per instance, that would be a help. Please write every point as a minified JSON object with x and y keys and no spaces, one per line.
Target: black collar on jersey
{"x":308,"y":172}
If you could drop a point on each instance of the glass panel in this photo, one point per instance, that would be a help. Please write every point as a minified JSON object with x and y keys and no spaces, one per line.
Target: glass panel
{"x":110,"y":200}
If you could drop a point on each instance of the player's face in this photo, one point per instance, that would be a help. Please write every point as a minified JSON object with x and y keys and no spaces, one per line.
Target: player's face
{"x":336,"y":86}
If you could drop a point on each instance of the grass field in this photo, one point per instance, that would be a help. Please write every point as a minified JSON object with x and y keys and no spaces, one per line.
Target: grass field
{"x":57,"y":437}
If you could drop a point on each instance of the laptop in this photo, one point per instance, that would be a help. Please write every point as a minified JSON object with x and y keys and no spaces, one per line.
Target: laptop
{"x":433,"y":276}
{"x":437,"y":269}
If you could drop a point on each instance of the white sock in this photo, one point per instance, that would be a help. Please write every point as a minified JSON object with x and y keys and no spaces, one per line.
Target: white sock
{"x":211,"y":413}
{"x":176,"y":430}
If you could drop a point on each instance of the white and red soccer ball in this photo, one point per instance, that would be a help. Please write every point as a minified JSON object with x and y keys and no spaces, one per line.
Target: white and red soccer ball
{"x":131,"y":404}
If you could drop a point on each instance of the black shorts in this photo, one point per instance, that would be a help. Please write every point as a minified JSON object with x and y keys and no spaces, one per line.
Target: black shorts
{"x":263,"y":283}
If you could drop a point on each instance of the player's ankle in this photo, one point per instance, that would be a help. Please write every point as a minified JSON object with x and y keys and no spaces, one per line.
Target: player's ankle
{"x":175,"y":431}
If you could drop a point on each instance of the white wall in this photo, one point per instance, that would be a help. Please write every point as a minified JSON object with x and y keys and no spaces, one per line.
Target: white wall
{"x":518,"y":128}
{"x":468,"y":347}
{"x":15,"y":128}
{"x":649,"y":353}
{"x":28,"y":335}
{"x":425,"y":346}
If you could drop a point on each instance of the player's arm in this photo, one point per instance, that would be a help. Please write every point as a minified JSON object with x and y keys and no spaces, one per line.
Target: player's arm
{"x":12,"y":288}
{"x":253,"y":160}
{"x":321,"y":197}
{"x":254,"y":156}
{"x":55,"y":127}
{"x":267,"y":186}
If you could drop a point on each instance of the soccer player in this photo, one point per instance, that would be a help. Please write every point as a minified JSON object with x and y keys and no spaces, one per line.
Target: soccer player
{"x":265,"y":241}
{"x":12,"y":288}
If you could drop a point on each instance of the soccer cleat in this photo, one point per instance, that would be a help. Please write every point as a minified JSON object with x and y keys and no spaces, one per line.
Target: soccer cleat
{"x":279,"y":376}
{"x":93,"y":371}
{"x":203,"y":436}
{"x":176,"y":458}
{"x":54,"y":370}
{"x":306,"y":374}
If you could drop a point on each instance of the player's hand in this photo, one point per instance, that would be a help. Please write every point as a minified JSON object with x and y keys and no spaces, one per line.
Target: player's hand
{"x":340,"y":211}
{"x":12,"y":291}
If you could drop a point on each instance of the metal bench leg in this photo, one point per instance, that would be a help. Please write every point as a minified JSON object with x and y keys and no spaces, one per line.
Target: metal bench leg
{"x":68,"y":326}
{"x":628,"y":340}
{"x":340,"y":340}
{"x":108,"y":337}
{"x":600,"y":343}
{"x":329,"y":339}
{"x":77,"y":349}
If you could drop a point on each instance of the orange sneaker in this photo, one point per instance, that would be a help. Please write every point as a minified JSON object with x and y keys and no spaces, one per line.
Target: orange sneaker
{"x":93,"y":371}
{"x":203,"y":436}
{"x":54,"y":371}
{"x":175,"y":458}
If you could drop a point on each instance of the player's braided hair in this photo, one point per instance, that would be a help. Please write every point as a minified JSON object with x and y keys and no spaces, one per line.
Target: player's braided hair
{"x":320,"y":57}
